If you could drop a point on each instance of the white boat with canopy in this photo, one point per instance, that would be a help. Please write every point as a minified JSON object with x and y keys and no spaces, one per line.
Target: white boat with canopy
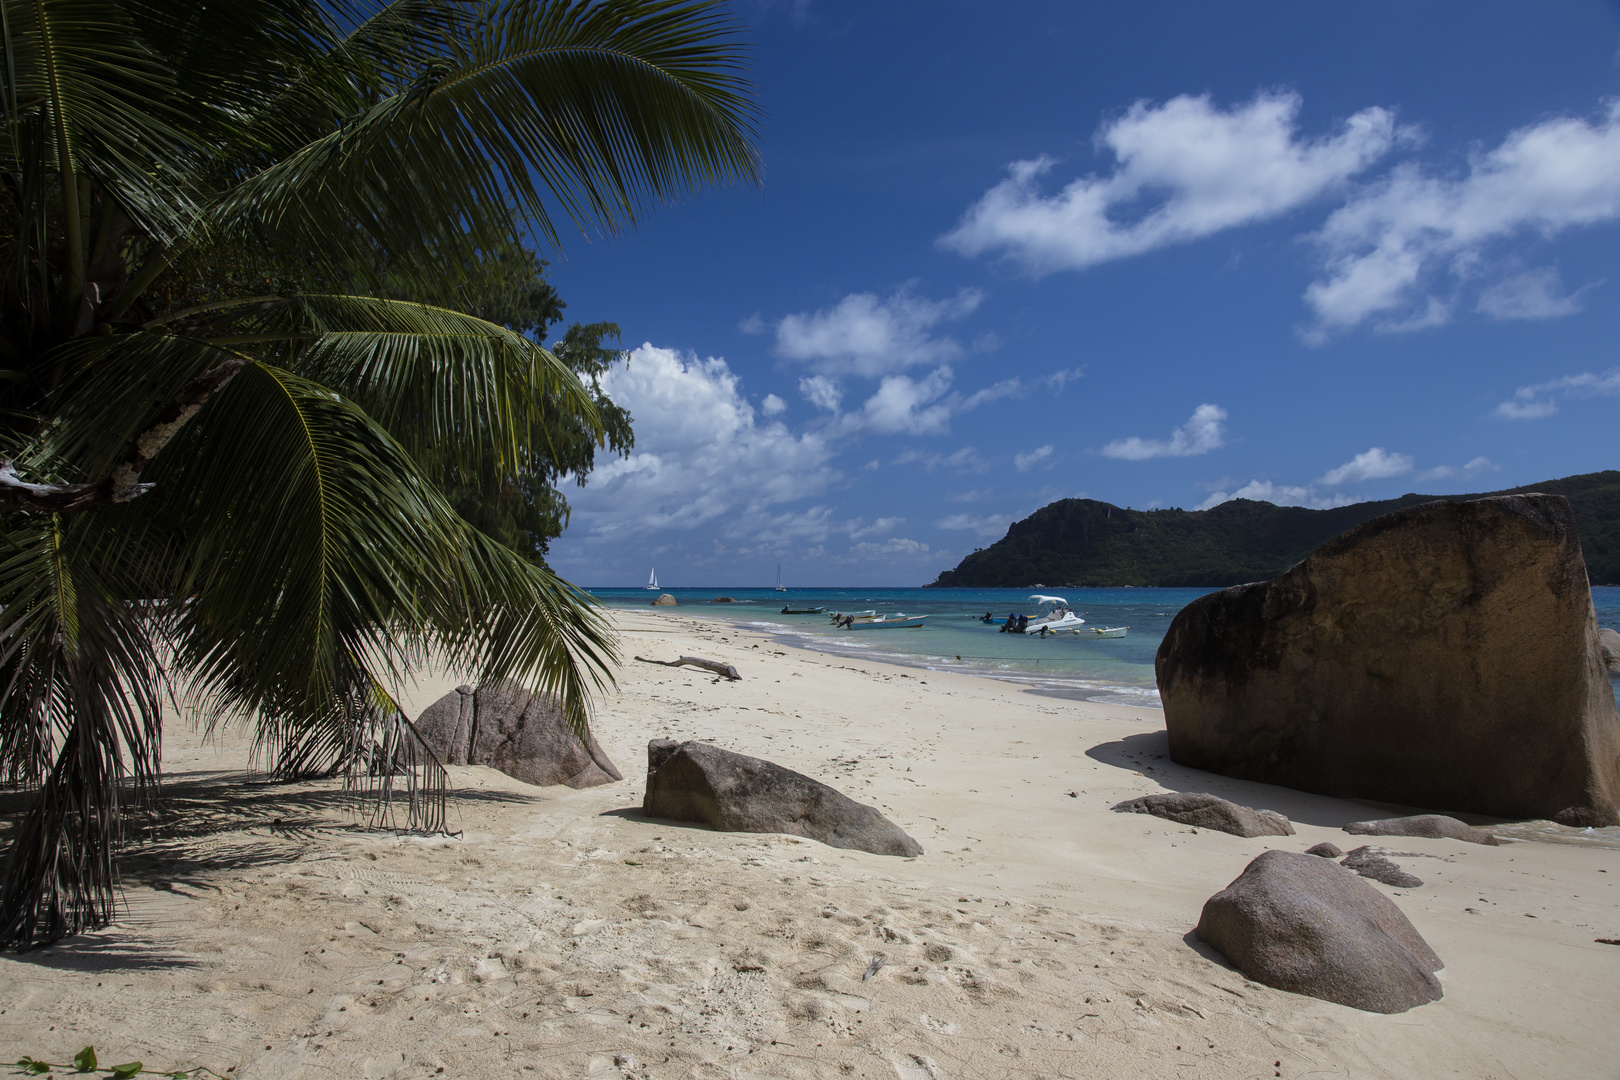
{"x":1060,"y":617}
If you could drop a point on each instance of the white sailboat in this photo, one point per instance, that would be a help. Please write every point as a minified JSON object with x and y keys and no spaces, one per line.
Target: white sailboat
{"x":652,"y":579}
{"x":779,"y":586}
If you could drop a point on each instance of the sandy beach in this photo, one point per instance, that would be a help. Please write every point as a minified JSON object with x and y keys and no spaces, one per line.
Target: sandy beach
{"x":563,"y":934}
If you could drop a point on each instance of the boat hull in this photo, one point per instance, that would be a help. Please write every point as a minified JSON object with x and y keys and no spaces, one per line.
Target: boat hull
{"x":888,"y":624}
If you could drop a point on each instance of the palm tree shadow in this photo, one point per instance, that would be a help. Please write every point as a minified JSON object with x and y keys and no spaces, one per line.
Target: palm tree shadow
{"x":1149,"y":754}
{"x":103,"y":952}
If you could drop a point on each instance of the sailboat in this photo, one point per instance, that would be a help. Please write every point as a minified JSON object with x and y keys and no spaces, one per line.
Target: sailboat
{"x":779,"y":586}
{"x":652,"y":579}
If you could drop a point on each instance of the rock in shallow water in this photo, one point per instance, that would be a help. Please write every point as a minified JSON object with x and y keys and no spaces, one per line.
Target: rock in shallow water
{"x":694,"y":781}
{"x":1207,"y":811}
{"x":1432,"y":826}
{"x":1443,"y":655}
{"x":1309,"y":926}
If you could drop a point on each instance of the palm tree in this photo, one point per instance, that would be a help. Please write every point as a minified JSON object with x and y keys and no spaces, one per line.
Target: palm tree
{"x":218,"y":431}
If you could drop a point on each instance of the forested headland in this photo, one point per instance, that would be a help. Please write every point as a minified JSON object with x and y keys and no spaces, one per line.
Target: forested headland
{"x":1077,"y":543}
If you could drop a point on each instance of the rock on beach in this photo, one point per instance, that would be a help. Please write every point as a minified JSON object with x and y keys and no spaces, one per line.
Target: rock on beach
{"x":1432,"y":826}
{"x":1445,"y":655}
{"x":524,"y":735}
{"x":693,"y":781}
{"x":1309,"y":926}
{"x":1206,"y":811}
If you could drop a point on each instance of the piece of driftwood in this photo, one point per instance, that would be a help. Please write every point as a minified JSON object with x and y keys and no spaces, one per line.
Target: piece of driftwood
{"x":725,"y":670}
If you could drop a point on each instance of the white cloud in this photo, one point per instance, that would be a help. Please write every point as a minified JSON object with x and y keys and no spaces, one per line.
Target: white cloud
{"x":989,"y":527}
{"x":1059,"y":379}
{"x":1536,"y":402}
{"x":772,"y":405}
{"x":1198,"y":170}
{"x":865,"y":335}
{"x":904,"y":404}
{"x":1201,"y":434}
{"x":1375,"y":464}
{"x":701,"y":454}
{"x":1534,"y":294}
{"x":1467,"y":472}
{"x":1026,"y":462}
{"x":1006,"y":388}
{"x":858,"y":530}
{"x":754,"y":324}
{"x":976,"y":495}
{"x":965,"y":460}
{"x":1280,"y":495}
{"x":1385,"y":244}
{"x":822,"y":392}
{"x":898,"y":546}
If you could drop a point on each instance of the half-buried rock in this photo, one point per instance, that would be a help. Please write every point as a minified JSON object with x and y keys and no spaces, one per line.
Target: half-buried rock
{"x":1207,"y":811}
{"x":1309,"y":926}
{"x":1432,"y":826}
{"x":694,"y":781}
{"x":526,"y":736}
{"x":1445,"y":655}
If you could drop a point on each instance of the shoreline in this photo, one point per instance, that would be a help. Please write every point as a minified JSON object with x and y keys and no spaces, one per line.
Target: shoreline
{"x":564,"y":934}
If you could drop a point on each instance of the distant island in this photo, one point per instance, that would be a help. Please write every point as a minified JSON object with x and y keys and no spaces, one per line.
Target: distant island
{"x":1075,"y":543}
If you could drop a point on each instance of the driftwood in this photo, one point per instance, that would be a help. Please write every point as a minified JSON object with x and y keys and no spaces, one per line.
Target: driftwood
{"x":725,"y":670}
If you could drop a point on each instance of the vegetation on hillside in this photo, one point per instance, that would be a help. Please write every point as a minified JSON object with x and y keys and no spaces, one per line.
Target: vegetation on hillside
{"x":240,"y":365}
{"x":1082,"y":542}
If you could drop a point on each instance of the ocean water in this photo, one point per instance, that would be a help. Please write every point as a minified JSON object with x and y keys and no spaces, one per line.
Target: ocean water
{"x":1112,"y":670}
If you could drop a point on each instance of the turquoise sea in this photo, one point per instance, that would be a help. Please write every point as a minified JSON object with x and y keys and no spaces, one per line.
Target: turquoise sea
{"x":1117,"y":671}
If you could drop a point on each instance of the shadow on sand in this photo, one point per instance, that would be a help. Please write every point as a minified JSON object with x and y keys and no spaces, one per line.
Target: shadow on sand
{"x":1149,"y":754}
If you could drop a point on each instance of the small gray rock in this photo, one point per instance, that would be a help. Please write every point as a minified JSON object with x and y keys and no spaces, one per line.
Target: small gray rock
{"x":1609,"y":647}
{"x":694,"y":781}
{"x":1370,"y":862}
{"x":664,"y":600}
{"x":1433,"y":826}
{"x":1207,"y":811}
{"x":1308,"y":926}
{"x":1325,"y":849}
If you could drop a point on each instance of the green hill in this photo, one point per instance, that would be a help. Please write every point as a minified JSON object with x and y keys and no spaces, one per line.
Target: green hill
{"x":1081,"y":542}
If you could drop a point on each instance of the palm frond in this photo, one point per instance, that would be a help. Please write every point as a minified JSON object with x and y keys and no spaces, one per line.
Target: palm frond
{"x":606,"y":107}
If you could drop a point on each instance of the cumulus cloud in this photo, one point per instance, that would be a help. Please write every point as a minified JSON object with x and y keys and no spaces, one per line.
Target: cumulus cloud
{"x":1467,"y":472}
{"x":1185,"y":170}
{"x":1534,"y":294}
{"x":859,"y":530}
{"x":694,"y":432}
{"x":1375,"y":464}
{"x":903,"y":404}
{"x":1026,"y":462}
{"x":1538,"y":401}
{"x":984,"y":526}
{"x":822,"y":392}
{"x":1202,"y":433}
{"x":772,"y":405}
{"x":866,"y":335}
{"x":1386,"y":244}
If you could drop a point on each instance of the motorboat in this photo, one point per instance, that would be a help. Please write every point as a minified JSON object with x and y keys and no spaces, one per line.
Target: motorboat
{"x":840,"y":616}
{"x":652,"y":580}
{"x":802,"y":610}
{"x":898,"y":621}
{"x":1057,"y":618}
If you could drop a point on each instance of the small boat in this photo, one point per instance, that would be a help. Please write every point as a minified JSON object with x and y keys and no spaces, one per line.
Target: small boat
{"x":779,"y":586}
{"x":840,"y":616}
{"x":652,"y":580}
{"x":897,"y":621}
{"x":1098,"y":631}
{"x":1060,"y":618}
{"x":803,"y":610}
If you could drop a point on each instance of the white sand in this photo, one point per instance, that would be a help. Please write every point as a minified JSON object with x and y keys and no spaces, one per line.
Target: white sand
{"x":562,"y":935}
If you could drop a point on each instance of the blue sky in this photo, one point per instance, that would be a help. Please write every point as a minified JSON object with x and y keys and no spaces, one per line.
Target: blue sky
{"x":1158,"y":254}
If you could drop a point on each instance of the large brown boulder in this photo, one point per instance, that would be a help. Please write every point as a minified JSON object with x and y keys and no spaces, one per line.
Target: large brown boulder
{"x":732,"y":792}
{"x":1309,"y":926}
{"x":1205,"y":811}
{"x":1432,"y":826}
{"x":1443,"y":656}
{"x":524,"y":735}
{"x":664,"y":600}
